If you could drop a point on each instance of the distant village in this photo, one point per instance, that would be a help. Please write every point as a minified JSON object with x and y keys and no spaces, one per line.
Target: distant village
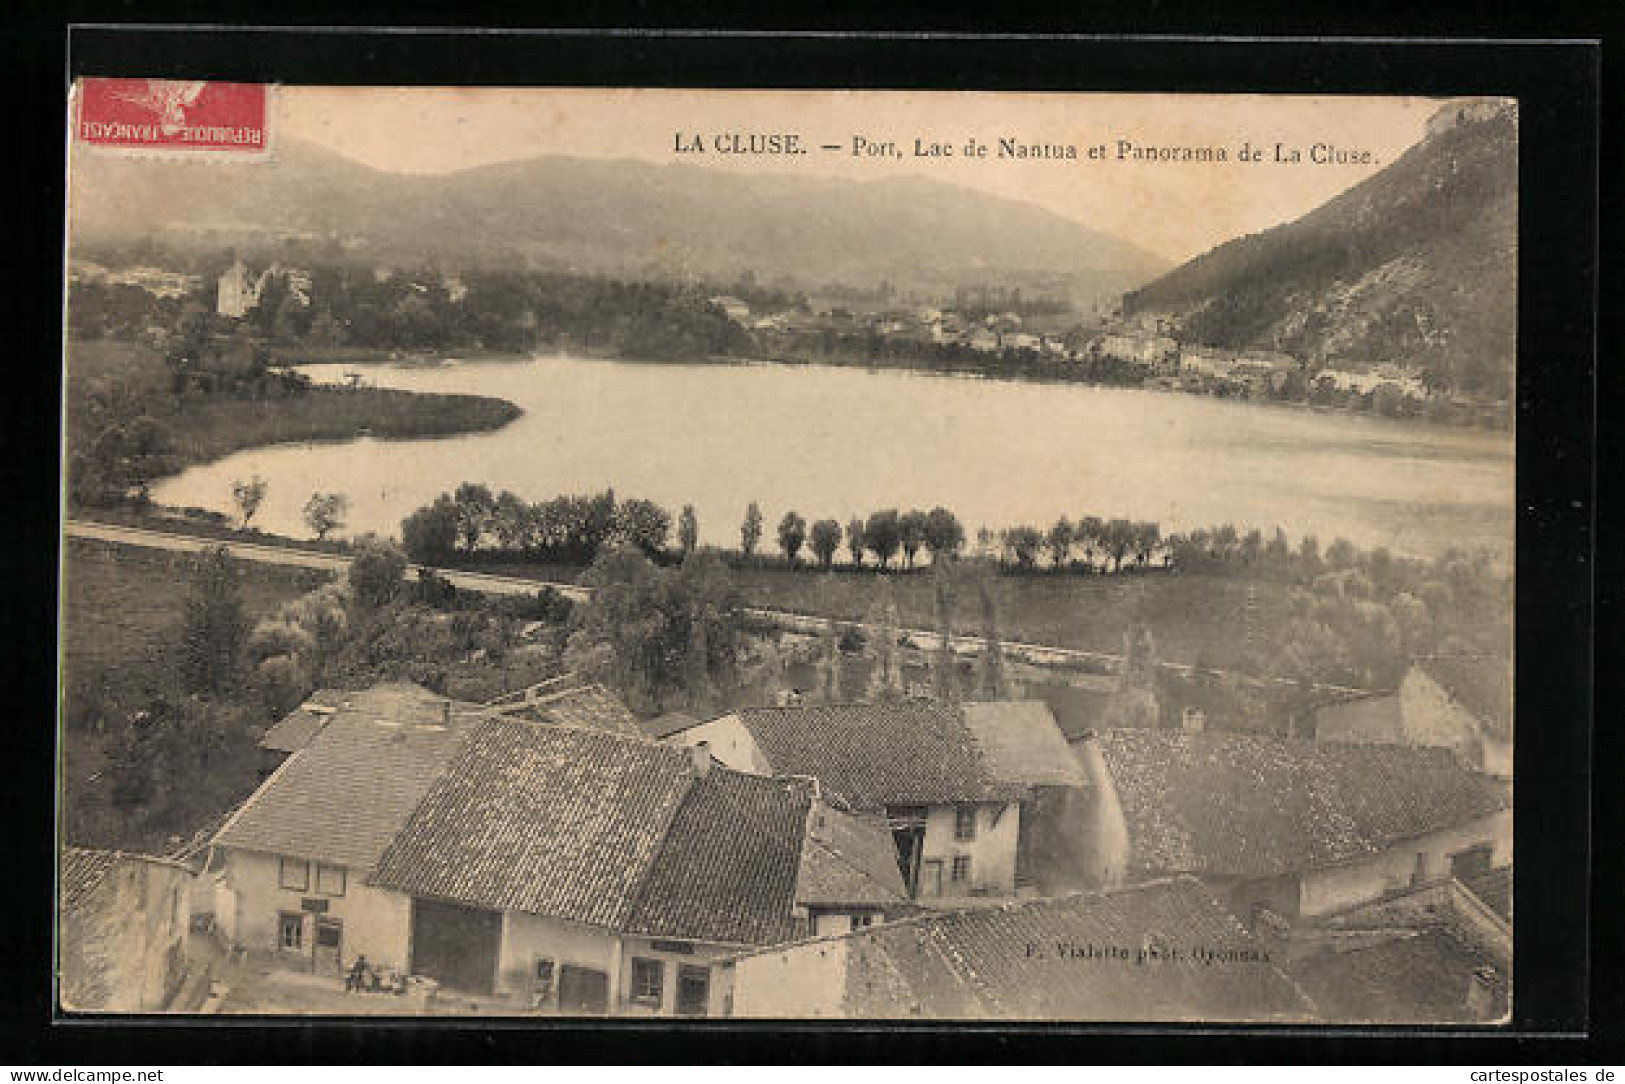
{"x":1145,"y":350}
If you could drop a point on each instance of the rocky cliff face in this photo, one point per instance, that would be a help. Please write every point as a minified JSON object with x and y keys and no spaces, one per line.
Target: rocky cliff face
{"x":1416,"y":265}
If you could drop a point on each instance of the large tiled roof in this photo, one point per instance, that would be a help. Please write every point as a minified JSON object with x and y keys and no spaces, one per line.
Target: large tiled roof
{"x":1075,"y":957}
{"x":1407,"y":977}
{"x":587,"y":706}
{"x":584,"y":825}
{"x":1228,"y":804}
{"x":850,"y":861}
{"x":295,"y":730}
{"x":343,"y":797}
{"x":911,"y":752}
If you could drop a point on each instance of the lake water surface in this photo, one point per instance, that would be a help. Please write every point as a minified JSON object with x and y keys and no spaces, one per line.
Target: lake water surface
{"x":835,"y":442}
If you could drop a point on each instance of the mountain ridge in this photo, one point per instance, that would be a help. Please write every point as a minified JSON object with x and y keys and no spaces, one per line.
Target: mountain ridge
{"x":622,"y":216}
{"x":1416,"y":264}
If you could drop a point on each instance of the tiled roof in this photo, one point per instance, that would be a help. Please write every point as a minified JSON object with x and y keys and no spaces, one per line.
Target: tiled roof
{"x":588,"y":826}
{"x":294,"y":730}
{"x":1494,"y":889}
{"x":1230,"y":804}
{"x":587,"y":706}
{"x":726,"y":869}
{"x":911,"y":752}
{"x":1022,"y":744}
{"x":1408,"y":977}
{"x":1075,"y":957}
{"x":82,"y":871}
{"x":344,"y":796}
{"x":849,"y":860}
{"x":1482,"y":685}
{"x":666,"y":725}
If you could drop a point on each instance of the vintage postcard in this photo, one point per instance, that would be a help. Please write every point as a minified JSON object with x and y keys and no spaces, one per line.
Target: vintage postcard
{"x":965,"y":556}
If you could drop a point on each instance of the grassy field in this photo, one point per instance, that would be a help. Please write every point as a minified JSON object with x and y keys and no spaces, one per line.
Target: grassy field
{"x":203,"y":427}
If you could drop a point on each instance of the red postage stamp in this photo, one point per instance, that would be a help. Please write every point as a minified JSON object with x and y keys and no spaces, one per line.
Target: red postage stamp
{"x":169,"y":115}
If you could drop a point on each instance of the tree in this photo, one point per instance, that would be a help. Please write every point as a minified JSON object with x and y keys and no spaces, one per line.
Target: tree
{"x":1089,"y":532}
{"x":1135,"y":702}
{"x":1059,"y":541}
{"x":512,"y":522}
{"x":750,"y":532}
{"x":376,"y":571}
{"x":855,"y":540}
{"x":1117,"y":538}
{"x":476,"y":509}
{"x":248,"y":496}
{"x":1146,"y":537}
{"x":324,"y":513}
{"x":792,"y":533}
{"x":643,"y":524}
{"x":430,"y":533}
{"x":886,"y":679}
{"x":1022,"y":545}
{"x":688,"y":530}
{"x":882,"y":534}
{"x":991,"y":681}
{"x":213,"y":625}
{"x":911,"y":532}
{"x":944,"y":664}
{"x":829,"y":666}
{"x":944,"y":536}
{"x":825,"y":540}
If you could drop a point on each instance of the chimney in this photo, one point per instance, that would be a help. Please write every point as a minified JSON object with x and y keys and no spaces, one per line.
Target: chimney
{"x":699,"y":756}
{"x":1193,"y":720}
{"x":1105,"y":832}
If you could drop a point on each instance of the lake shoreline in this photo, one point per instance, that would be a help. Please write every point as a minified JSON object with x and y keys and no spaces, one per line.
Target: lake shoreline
{"x":1052,"y":373}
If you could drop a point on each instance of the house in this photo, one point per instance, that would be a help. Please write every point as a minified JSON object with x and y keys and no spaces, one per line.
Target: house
{"x":237,"y":291}
{"x":295,"y":730}
{"x":736,"y":310}
{"x":595,"y":873}
{"x":294,"y":860}
{"x":570,"y":700}
{"x":122,"y":928}
{"x":1291,"y":826}
{"x":1158,"y":352}
{"x":1161,"y":951}
{"x":980,"y":798}
{"x":571,"y":868}
{"x":1461,"y":705}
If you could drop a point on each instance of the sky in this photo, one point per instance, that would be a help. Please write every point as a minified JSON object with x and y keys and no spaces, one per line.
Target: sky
{"x":1175,"y":209}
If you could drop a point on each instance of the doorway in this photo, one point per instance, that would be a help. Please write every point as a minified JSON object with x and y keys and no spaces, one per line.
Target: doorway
{"x":583,"y":990}
{"x":693,"y":990}
{"x":456,"y":946}
{"x":327,"y":951}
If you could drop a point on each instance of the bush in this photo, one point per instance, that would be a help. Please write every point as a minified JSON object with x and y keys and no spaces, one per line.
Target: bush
{"x":282,"y":683}
{"x":434,"y":590}
{"x":430,"y":533}
{"x":376,"y":571}
{"x":548,"y":605}
{"x":853,"y":639}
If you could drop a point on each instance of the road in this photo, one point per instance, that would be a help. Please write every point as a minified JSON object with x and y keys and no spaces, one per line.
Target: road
{"x":1035,"y":654}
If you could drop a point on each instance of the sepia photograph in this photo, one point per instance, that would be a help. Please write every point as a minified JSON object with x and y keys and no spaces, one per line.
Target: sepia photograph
{"x":845,"y":555}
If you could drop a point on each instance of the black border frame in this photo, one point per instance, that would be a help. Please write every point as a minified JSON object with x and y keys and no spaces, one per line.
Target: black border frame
{"x":1558,"y":86}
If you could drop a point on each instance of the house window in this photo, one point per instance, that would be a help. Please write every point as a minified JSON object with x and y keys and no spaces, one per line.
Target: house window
{"x":290,"y":936}
{"x":648,"y":980}
{"x":961,"y":869}
{"x":295,"y":874}
{"x":330,"y":880}
{"x":965,"y":823}
{"x":861,"y":921}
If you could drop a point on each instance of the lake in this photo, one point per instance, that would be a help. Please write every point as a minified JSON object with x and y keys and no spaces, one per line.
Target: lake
{"x":835,"y":442}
